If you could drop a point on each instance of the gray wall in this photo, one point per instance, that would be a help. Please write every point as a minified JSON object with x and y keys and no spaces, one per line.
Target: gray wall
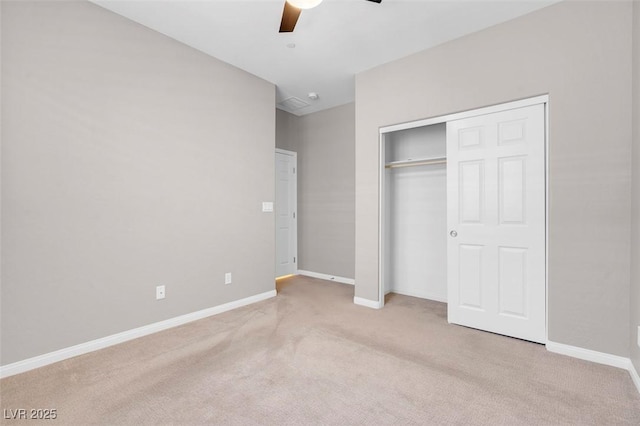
{"x":578,"y":53}
{"x":325,"y":143}
{"x":326,"y":191}
{"x":635,"y":219}
{"x":287,"y":131}
{"x":127,"y":162}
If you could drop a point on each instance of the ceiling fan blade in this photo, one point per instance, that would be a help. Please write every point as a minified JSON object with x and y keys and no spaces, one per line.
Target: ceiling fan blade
{"x":290,"y":16}
{"x":375,"y":1}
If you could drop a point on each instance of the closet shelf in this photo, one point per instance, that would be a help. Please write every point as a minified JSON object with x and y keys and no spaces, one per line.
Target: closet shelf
{"x":416,"y":162}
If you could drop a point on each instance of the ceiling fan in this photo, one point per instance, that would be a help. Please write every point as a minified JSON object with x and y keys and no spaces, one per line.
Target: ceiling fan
{"x":292,"y":9}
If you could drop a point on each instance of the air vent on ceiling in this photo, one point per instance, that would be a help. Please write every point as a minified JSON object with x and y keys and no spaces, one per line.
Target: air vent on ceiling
{"x":293,"y":103}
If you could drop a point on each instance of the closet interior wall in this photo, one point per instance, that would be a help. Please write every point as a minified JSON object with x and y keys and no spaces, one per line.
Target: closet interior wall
{"x":415,"y":228}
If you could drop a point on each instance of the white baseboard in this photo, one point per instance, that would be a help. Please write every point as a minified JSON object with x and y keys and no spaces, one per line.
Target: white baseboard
{"x":366,"y":302}
{"x":597,"y":357}
{"x":589,"y":355}
{"x":634,"y":375}
{"x":327,"y":277}
{"x":114,"y":339}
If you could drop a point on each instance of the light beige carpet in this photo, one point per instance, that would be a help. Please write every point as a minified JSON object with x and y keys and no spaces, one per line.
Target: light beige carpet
{"x":310,"y":356}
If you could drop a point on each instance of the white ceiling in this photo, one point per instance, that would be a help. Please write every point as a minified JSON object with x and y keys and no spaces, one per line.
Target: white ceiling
{"x":333,"y":41}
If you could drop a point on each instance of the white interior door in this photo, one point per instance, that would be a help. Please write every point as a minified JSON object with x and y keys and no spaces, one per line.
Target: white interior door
{"x":285,"y":209}
{"x":496,"y":222}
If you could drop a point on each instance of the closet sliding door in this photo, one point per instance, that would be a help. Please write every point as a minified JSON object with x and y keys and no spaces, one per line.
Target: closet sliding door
{"x":496,"y":222}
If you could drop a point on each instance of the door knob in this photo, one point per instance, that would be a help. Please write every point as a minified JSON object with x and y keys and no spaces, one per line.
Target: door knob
{"x":453,"y":233}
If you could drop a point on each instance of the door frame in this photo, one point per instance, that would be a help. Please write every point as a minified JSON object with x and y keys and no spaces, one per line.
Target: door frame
{"x":536,"y":100}
{"x":294,"y":202}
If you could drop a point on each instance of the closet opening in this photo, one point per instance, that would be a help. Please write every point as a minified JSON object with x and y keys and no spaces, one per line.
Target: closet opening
{"x":463,"y":214}
{"x":416,"y":212}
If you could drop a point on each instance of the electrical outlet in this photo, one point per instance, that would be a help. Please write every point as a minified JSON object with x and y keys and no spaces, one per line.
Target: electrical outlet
{"x":227,"y":278}
{"x":160,"y":293}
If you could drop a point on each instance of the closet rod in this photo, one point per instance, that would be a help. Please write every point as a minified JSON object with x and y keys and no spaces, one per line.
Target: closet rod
{"x":415,"y":163}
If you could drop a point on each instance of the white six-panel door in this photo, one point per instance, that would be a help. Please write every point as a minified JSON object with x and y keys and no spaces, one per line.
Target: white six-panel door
{"x":496,"y":222}
{"x":285,"y":209}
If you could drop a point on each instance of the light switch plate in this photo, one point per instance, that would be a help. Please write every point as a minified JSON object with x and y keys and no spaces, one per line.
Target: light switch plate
{"x":267,"y":206}
{"x":638,"y":340}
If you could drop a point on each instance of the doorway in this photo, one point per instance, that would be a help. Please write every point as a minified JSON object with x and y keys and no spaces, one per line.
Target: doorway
{"x":286,"y":212}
